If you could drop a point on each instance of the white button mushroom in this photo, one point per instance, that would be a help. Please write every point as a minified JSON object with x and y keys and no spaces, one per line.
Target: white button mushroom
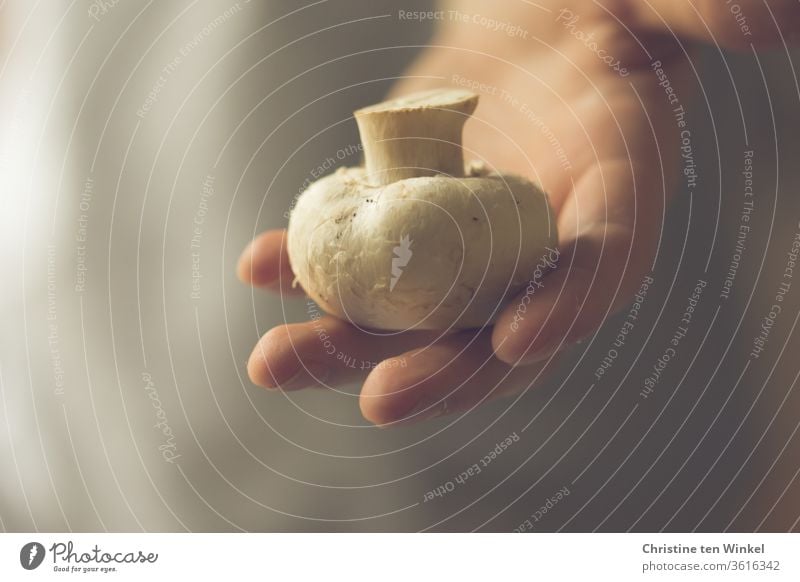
{"x":413,"y":240}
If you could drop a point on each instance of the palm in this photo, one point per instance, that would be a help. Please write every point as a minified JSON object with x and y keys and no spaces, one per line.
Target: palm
{"x":588,"y":135}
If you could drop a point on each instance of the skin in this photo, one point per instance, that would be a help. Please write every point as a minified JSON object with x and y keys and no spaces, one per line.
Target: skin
{"x":620,"y":137}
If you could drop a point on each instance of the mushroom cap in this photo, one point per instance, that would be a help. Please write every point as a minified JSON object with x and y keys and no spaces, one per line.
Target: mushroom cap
{"x":421,"y":253}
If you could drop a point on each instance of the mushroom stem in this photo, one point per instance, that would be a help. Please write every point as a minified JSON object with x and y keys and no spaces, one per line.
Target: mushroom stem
{"x":416,"y":135}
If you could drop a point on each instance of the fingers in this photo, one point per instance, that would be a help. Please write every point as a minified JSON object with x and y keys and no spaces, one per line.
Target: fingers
{"x":453,"y":375}
{"x":326,"y":351}
{"x":603,"y":257}
{"x":569,"y":304}
{"x":736,"y":25}
{"x":264,"y":263}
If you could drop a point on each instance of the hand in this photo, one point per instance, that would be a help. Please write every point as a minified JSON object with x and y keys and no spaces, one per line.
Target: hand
{"x":588,"y":120}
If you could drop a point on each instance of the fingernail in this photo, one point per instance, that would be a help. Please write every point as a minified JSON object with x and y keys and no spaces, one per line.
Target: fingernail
{"x":422,"y":411}
{"x":309,"y":374}
{"x":540,"y":354}
{"x":526,"y":354}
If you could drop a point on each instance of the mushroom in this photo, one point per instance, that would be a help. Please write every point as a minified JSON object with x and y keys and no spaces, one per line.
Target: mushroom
{"x":414,"y":240}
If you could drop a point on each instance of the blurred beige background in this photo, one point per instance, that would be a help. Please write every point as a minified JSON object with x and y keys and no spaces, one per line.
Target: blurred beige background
{"x":125,"y":124}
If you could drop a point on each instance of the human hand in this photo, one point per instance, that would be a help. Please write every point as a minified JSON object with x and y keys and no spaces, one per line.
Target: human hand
{"x":585,"y":118}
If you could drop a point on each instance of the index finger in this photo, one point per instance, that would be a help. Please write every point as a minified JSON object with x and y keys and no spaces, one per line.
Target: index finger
{"x":264,"y":263}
